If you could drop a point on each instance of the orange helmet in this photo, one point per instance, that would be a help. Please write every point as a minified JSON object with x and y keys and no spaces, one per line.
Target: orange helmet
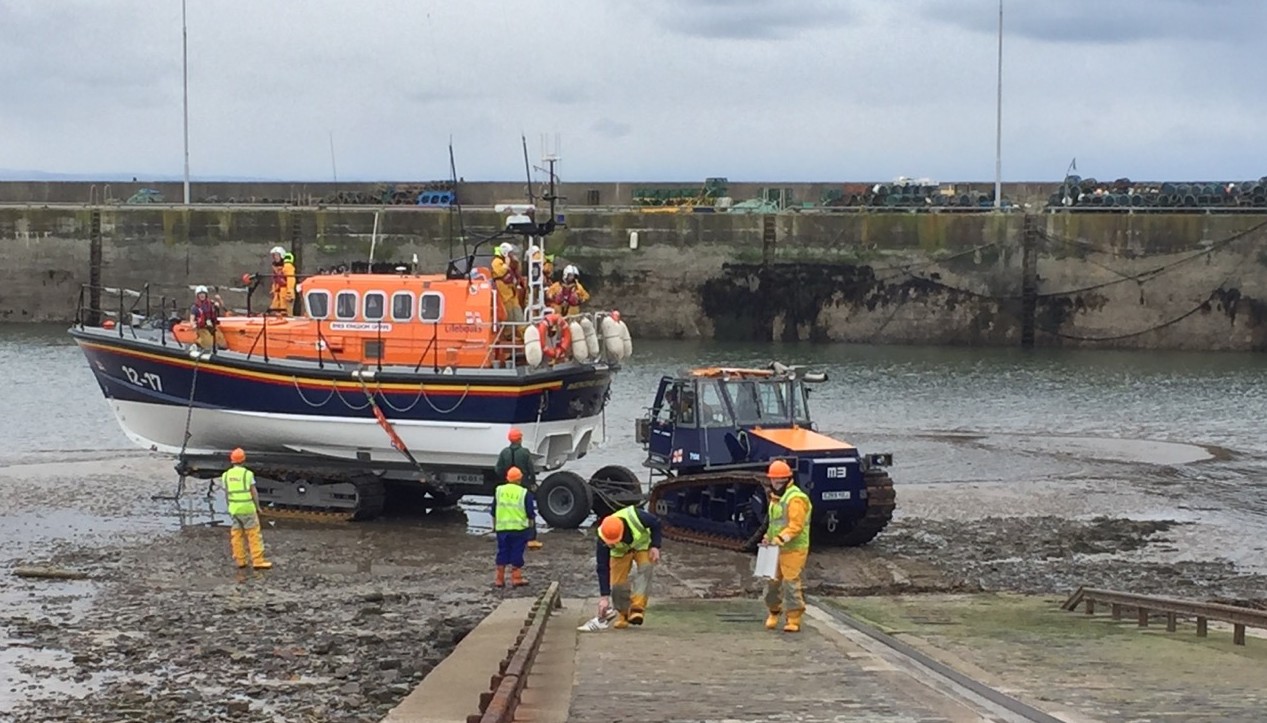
{"x":611,"y":529}
{"x":515,"y":435}
{"x":514,"y":475}
{"x":779,"y":470}
{"x":237,"y":455}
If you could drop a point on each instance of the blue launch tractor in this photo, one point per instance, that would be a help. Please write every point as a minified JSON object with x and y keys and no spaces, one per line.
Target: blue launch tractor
{"x":709,"y":437}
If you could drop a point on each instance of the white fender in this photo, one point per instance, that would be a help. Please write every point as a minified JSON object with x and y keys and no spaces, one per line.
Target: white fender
{"x":532,"y":346}
{"x":612,"y":340}
{"x":591,"y":338}
{"x":626,"y":340}
{"x":580,"y":347}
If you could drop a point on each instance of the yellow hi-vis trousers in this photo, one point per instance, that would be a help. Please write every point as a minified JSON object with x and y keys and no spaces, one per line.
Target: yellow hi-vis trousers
{"x":245,"y":538}
{"x":629,"y":595}
{"x":784,"y":592}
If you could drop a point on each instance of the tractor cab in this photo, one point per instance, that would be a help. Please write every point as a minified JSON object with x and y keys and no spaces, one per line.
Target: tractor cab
{"x":723,"y":417}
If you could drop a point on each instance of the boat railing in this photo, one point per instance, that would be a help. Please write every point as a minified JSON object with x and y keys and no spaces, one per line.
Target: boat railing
{"x":123,"y":309}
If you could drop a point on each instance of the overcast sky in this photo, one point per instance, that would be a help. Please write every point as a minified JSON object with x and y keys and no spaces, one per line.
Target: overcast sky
{"x":674,"y":90}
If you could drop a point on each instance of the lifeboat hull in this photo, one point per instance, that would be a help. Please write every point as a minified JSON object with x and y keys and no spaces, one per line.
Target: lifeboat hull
{"x":446,"y":421}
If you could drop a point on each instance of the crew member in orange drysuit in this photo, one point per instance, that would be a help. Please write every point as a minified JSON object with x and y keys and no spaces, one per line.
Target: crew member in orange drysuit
{"x":567,"y":295}
{"x":283,"y":289}
{"x":506,"y":277}
{"x":204,"y":316}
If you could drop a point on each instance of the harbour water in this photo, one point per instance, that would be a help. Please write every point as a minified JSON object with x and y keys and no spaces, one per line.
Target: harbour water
{"x":1209,"y":399}
{"x":1008,"y":417}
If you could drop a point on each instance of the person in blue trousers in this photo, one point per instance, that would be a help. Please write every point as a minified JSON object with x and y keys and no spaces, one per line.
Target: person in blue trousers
{"x":514,"y":516}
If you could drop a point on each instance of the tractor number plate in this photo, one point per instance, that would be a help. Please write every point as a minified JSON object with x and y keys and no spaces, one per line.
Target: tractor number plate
{"x":462,"y":478}
{"x":841,"y":495}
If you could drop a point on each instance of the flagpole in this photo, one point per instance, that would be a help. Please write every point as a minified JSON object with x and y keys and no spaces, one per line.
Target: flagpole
{"x":998,"y":133}
{"x":184,"y":61}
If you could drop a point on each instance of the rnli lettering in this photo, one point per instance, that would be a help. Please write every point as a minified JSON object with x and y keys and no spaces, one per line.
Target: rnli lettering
{"x":360,"y":326}
{"x":147,"y":379}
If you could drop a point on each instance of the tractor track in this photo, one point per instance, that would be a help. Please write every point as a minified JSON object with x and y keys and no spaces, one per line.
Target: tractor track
{"x":881,"y":502}
{"x":707,"y":539}
{"x":371,"y":494}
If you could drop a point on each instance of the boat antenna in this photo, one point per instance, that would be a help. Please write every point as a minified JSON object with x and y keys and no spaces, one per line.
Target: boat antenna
{"x":527,"y":169}
{"x":334,"y":172}
{"x":456,"y":206}
{"x":374,"y":237}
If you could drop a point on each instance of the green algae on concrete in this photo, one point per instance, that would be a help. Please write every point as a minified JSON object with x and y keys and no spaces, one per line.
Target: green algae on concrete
{"x":1108,"y":669}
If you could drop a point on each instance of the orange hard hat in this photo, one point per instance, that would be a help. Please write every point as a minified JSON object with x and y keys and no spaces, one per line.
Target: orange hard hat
{"x":515,"y":435}
{"x":778,"y":470}
{"x":611,"y":529}
{"x":237,"y":455}
{"x":514,"y":475}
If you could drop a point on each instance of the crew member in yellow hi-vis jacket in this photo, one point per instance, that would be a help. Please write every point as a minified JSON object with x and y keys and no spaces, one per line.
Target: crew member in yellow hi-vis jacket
{"x":244,"y":520}
{"x":788,"y":528}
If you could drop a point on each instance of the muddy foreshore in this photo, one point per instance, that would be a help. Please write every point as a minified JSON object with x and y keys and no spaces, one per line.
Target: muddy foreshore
{"x":354,"y":615}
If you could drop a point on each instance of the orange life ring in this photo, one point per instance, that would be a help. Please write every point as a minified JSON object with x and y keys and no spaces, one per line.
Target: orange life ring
{"x":548,"y":328}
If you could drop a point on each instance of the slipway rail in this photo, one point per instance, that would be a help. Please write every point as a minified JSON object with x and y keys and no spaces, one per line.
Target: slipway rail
{"x":500,"y":703}
{"x":1146,"y":606}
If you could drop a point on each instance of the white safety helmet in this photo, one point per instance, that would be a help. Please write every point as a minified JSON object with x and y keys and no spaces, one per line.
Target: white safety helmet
{"x":200,"y":289}
{"x":278,"y":250}
{"x":570,"y":270}
{"x":506,"y":249}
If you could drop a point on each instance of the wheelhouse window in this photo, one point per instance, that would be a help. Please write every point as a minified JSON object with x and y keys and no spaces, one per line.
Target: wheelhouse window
{"x":677,"y":407}
{"x":345,"y":305}
{"x":772,"y":401}
{"x":318,"y":304}
{"x":403,"y":306}
{"x":757,"y":402}
{"x":713,"y":411}
{"x":431,"y":307}
{"x":375,"y":303}
{"x":800,"y":403}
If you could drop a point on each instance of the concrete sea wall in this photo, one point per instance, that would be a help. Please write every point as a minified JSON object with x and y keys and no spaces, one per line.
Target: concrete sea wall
{"x":471,"y":193}
{"x":1126,"y":280}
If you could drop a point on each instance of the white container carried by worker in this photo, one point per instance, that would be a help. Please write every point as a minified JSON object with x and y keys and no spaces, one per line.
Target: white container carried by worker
{"x":767,"y":562}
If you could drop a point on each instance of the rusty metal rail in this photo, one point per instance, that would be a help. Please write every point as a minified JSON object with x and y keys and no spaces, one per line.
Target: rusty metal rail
{"x":1146,"y":605}
{"x":500,"y":703}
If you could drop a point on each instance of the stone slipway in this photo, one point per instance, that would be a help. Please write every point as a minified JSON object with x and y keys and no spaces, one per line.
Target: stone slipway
{"x":451,"y":691}
{"x":694,"y":660}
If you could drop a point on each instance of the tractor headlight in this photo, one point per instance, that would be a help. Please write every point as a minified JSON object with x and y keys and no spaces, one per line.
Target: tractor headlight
{"x":880,"y":460}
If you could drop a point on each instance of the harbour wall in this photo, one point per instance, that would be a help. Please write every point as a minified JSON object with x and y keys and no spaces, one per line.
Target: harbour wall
{"x":470,"y":193}
{"x":1115,"y":280}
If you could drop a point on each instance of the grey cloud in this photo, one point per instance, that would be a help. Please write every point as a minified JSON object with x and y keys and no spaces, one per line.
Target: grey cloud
{"x":436,"y":96}
{"x":47,"y":52}
{"x":745,"y":19}
{"x":1094,"y":22}
{"x":566,"y":95}
{"x":638,"y":91}
{"x":609,"y":128}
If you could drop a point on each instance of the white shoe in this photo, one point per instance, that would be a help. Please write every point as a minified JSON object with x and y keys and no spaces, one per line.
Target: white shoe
{"x":595,"y":624}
